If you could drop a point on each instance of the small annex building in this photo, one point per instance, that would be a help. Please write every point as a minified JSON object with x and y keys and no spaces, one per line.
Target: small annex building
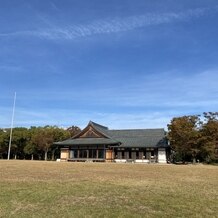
{"x":99,"y":144}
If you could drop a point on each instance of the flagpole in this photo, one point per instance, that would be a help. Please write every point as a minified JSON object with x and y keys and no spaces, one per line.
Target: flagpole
{"x":12,"y":123}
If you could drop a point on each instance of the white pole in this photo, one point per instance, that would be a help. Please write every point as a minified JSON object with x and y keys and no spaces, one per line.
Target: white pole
{"x":12,"y":123}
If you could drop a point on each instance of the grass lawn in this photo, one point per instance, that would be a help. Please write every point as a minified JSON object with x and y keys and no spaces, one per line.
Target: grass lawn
{"x":59,"y":189}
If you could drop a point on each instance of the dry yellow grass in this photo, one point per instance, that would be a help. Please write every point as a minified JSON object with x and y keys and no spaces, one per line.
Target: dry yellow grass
{"x":53,"y":189}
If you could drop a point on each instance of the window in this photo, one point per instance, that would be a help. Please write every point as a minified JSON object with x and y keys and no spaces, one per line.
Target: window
{"x":130,"y":155}
{"x":137,"y":154}
{"x":92,"y":153}
{"x":119,"y":155}
{"x":83,"y":154}
{"x":101,"y":153}
{"x":75,"y":153}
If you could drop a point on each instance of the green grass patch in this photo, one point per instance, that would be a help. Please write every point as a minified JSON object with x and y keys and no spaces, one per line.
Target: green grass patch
{"x":53,"y":189}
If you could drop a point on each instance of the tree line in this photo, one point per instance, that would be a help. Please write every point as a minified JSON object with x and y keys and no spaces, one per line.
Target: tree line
{"x":194,"y":138}
{"x":34,"y":142}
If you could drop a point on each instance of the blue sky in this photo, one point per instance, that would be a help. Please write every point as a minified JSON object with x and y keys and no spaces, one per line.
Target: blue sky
{"x":121,"y":63}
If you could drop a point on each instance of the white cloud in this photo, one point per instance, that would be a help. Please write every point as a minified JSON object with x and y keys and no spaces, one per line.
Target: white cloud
{"x":111,"y":25}
{"x":9,"y":68}
{"x":66,"y":118}
{"x":148,"y":102}
{"x":165,"y":90}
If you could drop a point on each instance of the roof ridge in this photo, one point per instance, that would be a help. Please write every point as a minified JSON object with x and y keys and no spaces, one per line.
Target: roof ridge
{"x":98,"y":125}
{"x":135,"y":129}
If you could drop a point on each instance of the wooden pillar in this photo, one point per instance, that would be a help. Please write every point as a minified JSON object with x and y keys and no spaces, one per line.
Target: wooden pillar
{"x":140,"y":154}
{"x":126,"y":155}
{"x":133,"y":155}
{"x":96,"y":153}
{"x":119,"y":155}
{"x":104,"y":152}
{"x":53,"y":155}
{"x":148,"y":155}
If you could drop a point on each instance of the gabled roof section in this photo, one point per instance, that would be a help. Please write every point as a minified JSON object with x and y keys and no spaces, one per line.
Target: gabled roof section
{"x":98,"y":125}
{"x":102,"y":129}
{"x":93,"y":130}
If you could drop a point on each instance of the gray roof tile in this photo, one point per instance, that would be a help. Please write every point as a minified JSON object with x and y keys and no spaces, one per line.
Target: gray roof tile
{"x":124,"y":138}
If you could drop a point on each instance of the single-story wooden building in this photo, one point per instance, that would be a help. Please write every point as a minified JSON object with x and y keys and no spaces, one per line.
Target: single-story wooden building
{"x":97,"y":143}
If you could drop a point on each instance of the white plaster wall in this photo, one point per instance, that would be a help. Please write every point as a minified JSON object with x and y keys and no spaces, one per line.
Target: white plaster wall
{"x":162,"y":155}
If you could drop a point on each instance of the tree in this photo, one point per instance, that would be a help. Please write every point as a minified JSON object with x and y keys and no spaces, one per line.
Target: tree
{"x":43,"y":139}
{"x":34,"y":141}
{"x":3,"y":144}
{"x":209,"y":133}
{"x":184,"y":135}
{"x":30,"y":149}
{"x":73,"y":130}
{"x":59,"y":134}
{"x":194,"y":137}
{"x":19,"y":140}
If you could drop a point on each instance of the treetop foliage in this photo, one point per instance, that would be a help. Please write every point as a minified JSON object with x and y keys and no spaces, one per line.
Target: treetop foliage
{"x":194,"y":137}
{"x":33,"y":142}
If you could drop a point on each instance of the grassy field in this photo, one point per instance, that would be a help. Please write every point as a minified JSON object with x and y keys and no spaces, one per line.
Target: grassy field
{"x":54,"y":189}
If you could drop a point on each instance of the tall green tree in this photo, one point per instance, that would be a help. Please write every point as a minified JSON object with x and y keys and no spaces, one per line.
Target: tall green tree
{"x":34,"y":142}
{"x":19,"y":140}
{"x":43,"y":139}
{"x":209,"y":136}
{"x":3,"y":142}
{"x":183,"y":134}
{"x":59,"y":134}
{"x":31,"y":147}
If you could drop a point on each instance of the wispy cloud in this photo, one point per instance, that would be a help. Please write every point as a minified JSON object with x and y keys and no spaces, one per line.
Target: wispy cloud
{"x":54,"y":6}
{"x":110,"y":25}
{"x":173,"y":90}
{"x":9,"y":68}
{"x":149,"y":103}
{"x":66,"y":118}
{"x":163,"y":90}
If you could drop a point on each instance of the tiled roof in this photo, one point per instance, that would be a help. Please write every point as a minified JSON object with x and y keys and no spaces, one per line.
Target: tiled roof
{"x":124,"y":138}
{"x":88,"y":141}
{"x":137,"y":137}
